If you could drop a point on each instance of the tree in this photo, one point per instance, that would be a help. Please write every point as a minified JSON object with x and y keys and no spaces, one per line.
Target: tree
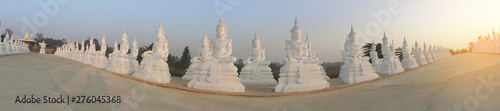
{"x":172,"y":62}
{"x":109,"y":50}
{"x":9,"y":31}
{"x":239,"y":64}
{"x":142,"y":50}
{"x":275,"y":68}
{"x":452,"y":52}
{"x":399,"y":53}
{"x":96,"y":43}
{"x":185,"y":59}
{"x":39,"y":36}
{"x":171,"y":59}
{"x":471,"y":45}
{"x":3,"y":36}
{"x":368,"y":47}
{"x":51,"y":42}
{"x":464,"y":50}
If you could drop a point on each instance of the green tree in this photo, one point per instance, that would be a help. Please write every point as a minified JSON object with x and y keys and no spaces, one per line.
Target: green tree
{"x":185,"y":59}
{"x":399,"y":53}
{"x":171,"y":59}
{"x":239,"y":64}
{"x":109,"y":50}
{"x":96,"y":43}
{"x":142,"y":50}
{"x":368,"y":47}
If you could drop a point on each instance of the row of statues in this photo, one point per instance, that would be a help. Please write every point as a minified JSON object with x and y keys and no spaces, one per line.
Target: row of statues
{"x":118,"y":61}
{"x":357,"y":68}
{"x":10,"y":45}
{"x":487,"y":44}
{"x":213,"y":68}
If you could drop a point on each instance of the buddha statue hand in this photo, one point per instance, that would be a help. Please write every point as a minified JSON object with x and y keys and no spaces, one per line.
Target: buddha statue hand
{"x":229,"y":59}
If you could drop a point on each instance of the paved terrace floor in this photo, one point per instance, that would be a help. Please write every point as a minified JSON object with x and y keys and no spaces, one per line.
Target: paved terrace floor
{"x":462,"y":81}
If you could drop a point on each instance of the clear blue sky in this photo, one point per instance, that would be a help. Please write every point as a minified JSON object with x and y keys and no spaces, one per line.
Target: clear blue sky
{"x":450,"y":23}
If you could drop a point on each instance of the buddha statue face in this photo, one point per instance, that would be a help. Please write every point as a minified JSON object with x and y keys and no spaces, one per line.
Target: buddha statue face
{"x":256,"y":43}
{"x":159,"y":34}
{"x":296,"y":34}
{"x":124,"y":38}
{"x":221,"y":32}
{"x":206,"y":43}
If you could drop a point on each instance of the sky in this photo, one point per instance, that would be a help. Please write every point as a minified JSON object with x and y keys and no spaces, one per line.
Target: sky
{"x":447,"y":23}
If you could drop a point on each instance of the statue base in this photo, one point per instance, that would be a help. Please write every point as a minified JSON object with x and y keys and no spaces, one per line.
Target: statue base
{"x":217,"y":76}
{"x":42,"y":51}
{"x":153,"y":69}
{"x":192,"y":70}
{"x":2,"y":49}
{"x":357,"y":71}
{"x":297,"y":77}
{"x":133,"y":64}
{"x":390,"y":66}
{"x":189,"y":74}
{"x":409,"y":63}
{"x":100,"y":61}
{"x":429,"y":58}
{"x":89,"y":57}
{"x":119,"y":65}
{"x":258,"y":73}
{"x":420,"y":61}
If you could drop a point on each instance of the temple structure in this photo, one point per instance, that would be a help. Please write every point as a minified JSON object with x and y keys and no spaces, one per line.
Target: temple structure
{"x":391,"y":63}
{"x":301,"y":71}
{"x":217,"y":71}
{"x":356,"y":68}
{"x":408,"y":62}
{"x":154,"y":65}
{"x":256,"y":69}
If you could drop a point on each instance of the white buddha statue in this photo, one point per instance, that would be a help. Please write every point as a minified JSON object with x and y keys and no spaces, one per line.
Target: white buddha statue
{"x":42,"y":47}
{"x":133,"y":63}
{"x":408,"y":62}
{"x":100,"y":60}
{"x":118,"y":61}
{"x":153,"y":66}
{"x":196,"y":61}
{"x":301,"y":71}
{"x":356,"y":68}
{"x":217,"y":71}
{"x":419,"y":57}
{"x":391,"y":63}
{"x":256,"y":69}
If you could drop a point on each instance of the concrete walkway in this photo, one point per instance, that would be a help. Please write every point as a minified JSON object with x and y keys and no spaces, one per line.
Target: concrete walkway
{"x":465,"y":81}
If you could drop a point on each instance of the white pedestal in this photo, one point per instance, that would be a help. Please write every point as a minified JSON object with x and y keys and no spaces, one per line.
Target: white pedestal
{"x":154,"y":69}
{"x":357,"y":71}
{"x":100,"y":60}
{"x":217,"y":76}
{"x":297,"y":77}
{"x":258,"y":73}
{"x":390,"y":65}
{"x":119,"y":64}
